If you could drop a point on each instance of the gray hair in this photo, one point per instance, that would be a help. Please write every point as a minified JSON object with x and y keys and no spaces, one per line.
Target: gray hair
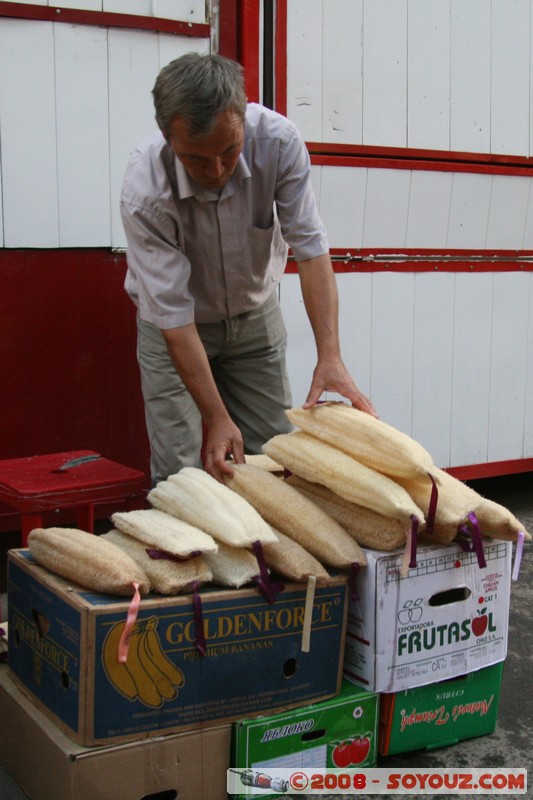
{"x":197,"y":88}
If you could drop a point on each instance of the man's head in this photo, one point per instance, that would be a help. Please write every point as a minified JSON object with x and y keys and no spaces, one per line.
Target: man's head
{"x":200,"y":103}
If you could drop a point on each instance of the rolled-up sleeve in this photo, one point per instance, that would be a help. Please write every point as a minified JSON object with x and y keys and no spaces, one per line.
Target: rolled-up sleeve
{"x":297,"y":209}
{"x":158,"y":272}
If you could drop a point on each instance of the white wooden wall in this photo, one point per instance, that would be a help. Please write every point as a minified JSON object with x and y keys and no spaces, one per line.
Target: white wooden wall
{"x":74,"y":101}
{"x":446,"y":357}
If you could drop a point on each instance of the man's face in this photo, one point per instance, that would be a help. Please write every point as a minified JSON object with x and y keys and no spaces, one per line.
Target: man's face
{"x":210,"y":161}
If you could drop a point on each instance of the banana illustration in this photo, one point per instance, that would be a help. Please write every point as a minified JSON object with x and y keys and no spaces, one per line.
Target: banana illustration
{"x":158,"y":657}
{"x":148,"y":675}
{"x":117,"y":672}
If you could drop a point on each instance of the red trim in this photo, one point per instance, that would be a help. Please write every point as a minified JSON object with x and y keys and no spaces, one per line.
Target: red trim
{"x":415,"y":154}
{"x":492,"y":469}
{"x":103,"y":18}
{"x":280,"y":58}
{"x":228,"y":29}
{"x":445,"y":163}
{"x":358,"y":259}
{"x":249,"y":47}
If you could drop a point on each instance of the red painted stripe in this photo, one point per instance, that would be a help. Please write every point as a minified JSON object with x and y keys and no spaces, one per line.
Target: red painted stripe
{"x":249,"y":47}
{"x":357,"y":260}
{"x":416,"y":154}
{"x":523,"y":167}
{"x":228,"y":29}
{"x":280,"y":57}
{"x":492,"y":469}
{"x":103,"y":18}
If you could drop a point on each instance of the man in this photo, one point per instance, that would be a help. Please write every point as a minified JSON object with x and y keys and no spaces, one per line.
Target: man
{"x":210,"y":205}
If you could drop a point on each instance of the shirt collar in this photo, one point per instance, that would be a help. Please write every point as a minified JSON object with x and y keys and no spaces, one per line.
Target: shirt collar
{"x":189,"y":188}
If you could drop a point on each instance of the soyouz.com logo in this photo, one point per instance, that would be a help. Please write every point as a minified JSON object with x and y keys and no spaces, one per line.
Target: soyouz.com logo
{"x":416,"y":635}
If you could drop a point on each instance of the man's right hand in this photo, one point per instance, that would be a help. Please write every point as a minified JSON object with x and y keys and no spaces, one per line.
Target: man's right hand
{"x":223,"y":439}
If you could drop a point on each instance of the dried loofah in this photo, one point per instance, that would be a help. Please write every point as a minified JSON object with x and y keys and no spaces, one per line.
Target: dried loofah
{"x":367,"y":527}
{"x":167,"y":577}
{"x":292,"y":561}
{"x":87,"y":560}
{"x":232,"y":566}
{"x":164,"y":532}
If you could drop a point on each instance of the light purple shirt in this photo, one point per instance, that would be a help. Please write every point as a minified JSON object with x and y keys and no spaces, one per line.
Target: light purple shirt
{"x":195,"y":256}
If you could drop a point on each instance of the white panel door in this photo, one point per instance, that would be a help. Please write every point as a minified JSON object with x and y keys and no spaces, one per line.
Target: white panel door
{"x":28,"y":134}
{"x":470,"y":84}
{"x":82,"y":107}
{"x":133,"y":66}
{"x":304,"y":67}
{"x":509,"y":364}
{"x":385,"y":73}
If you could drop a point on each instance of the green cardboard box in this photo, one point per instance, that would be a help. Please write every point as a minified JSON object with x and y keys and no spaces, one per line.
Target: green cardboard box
{"x":442,"y":713}
{"x":338,"y":733}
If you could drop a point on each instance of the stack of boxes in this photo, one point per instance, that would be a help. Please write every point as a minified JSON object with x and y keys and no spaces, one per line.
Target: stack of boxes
{"x":432,"y":643}
{"x":415,"y":660}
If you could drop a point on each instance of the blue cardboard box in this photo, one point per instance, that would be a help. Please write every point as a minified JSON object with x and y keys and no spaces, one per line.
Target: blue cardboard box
{"x":60,"y":654}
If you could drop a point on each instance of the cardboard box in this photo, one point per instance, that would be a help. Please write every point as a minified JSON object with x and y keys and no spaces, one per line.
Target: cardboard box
{"x":441,"y":713}
{"x":338,"y":733}
{"x":445,"y":618}
{"x":50,"y":766}
{"x":60,"y":653}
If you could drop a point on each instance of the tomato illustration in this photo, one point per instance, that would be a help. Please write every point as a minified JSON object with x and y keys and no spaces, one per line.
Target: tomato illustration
{"x":342,"y":754}
{"x":359,"y":749}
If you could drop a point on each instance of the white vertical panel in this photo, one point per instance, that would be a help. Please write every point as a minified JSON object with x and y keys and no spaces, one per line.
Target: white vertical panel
{"x":471,"y":368}
{"x":428,"y":50}
{"x":140,"y":7}
{"x":432,"y":363}
{"x":341,"y":200}
{"x":133,"y":67}
{"x":509,"y":365}
{"x":508,"y":211}
{"x":171,"y":47}
{"x":342,"y":72}
{"x":392,"y":347}
{"x":528,"y":395}
{"x":82,"y":135}
{"x":470,"y":76}
{"x":304,"y":67}
{"x":469,"y":210}
{"x":510,"y":76}
{"x":85,"y":5}
{"x":28,"y":134}
{"x":429,"y":209}
{"x":385,"y":73}
{"x":386,"y":209}
{"x":301,"y":351}
{"x":527,"y":243}
{"x":186,"y":10}
{"x":355,"y":327}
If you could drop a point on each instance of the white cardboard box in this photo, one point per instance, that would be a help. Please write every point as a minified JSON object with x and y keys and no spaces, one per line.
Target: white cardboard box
{"x":445,"y":617}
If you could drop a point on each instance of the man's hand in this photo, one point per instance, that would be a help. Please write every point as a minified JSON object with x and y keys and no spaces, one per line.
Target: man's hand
{"x":332,"y":376}
{"x":223,"y":439}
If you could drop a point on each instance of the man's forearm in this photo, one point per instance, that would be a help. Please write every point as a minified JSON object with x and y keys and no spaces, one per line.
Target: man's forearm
{"x":319,"y":292}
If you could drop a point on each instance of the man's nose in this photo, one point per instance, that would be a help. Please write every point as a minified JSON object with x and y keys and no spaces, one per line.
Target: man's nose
{"x":214,"y":167}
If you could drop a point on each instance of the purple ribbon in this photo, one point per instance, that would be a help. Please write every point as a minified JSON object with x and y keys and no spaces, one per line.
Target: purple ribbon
{"x":268,"y":588}
{"x":414,"y":541}
{"x":162,"y":554}
{"x":198,"y":618}
{"x":477,"y":540}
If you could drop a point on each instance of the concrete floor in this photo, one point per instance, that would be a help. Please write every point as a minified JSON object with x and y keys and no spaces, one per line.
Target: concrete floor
{"x":510,"y":745}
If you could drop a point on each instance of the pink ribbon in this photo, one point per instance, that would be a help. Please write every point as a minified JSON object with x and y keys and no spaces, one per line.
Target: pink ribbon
{"x":354,"y":572}
{"x":133,"y":610}
{"x":432,"y":508}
